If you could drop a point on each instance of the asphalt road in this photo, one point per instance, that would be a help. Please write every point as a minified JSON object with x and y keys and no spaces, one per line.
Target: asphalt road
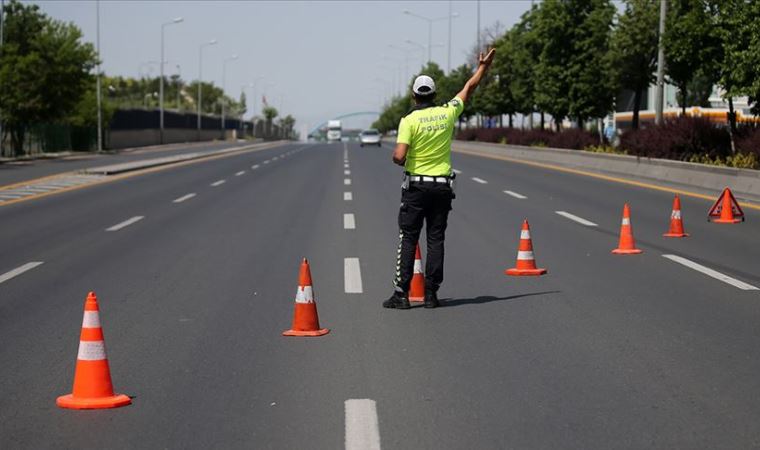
{"x":19,"y":171}
{"x":603,"y":352}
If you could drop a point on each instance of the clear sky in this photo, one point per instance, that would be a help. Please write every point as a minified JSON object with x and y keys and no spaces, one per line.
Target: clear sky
{"x":318,"y":59}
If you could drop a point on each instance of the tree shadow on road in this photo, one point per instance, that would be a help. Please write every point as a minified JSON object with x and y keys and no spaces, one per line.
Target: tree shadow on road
{"x":489,"y":298}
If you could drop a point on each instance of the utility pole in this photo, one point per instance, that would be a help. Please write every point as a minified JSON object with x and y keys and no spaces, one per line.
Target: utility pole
{"x":660,"y":93}
{"x":100,"y":107}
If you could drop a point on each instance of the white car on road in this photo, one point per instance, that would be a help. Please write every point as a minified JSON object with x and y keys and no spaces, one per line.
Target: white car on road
{"x":370,"y":137}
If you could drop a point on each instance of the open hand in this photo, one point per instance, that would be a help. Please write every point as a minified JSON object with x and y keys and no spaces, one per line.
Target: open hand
{"x":487,"y":59}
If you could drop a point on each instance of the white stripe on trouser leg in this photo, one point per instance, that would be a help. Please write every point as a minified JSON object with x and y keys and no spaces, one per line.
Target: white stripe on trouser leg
{"x":362,"y":426}
{"x":397,"y":278}
{"x":91,"y":319}
{"x":525,"y":234}
{"x":92,"y":350}
{"x":626,"y":221}
{"x":417,"y":266}
{"x":521,"y":255}
{"x":305,"y":294}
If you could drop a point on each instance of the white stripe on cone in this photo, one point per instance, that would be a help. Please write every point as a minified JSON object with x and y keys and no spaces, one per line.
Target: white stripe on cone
{"x":417,"y":266}
{"x":676,"y":214}
{"x":525,"y":256}
{"x":91,"y":319}
{"x":305,"y":295}
{"x":626,"y":221}
{"x":525,"y":234}
{"x":91,"y":351}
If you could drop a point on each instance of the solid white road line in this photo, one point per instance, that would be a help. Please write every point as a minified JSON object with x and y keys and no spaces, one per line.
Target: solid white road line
{"x":515,"y":195}
{"x":349,"y":223}
{"x":184,"y":197}
{"x":352,"y":276}
{"x":346,"y":172}
{"x":218,"y":183}
{"x":575,"y":218}
{"x":456,"y":171}
{"x":242,"y":172}
{"x":479,"y":180}
{"x":711,"y":273}
{"x":19,"y":270}
{"x":362,"y":428}
{"x":348,"y":196}
{"x":347,"y":181}
{"x":126,"y":223}
{"x":255,"y":166}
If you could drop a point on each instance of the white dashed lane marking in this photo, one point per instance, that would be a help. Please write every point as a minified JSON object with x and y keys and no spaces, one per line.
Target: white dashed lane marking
{"x":346,"y":172}
{"x":352,"y":276}
{"x":362,"y":426}
{"x":479,"y":180}
{"x":184,"y":197}
{"x":347,"y":181}
{"x":255,"y":166}
{"x":456,"y":171}
{"x":711,"y":273}
{"x":218,"y":183}
{"x":19,"y":270}
{"x":242,"y":172}
{"x":349,"y":222}
{"x":125,"y":224}
{"x":348,"y":196}
{"x":575,"y":218}
{"x":515,"y":195}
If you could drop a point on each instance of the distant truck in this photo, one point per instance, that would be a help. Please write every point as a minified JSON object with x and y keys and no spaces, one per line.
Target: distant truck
{"x":334,"y":131}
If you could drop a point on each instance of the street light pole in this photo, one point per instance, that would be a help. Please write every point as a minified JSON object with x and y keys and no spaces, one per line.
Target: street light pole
{"x":224,"y":86}
{"x":430,"y":21}
{"x":200,"y":81}
{"x":2,"y":22}
{"x":448,"y":57}
{"x":658,"y":100}
{"x":161,"y":82}
{"x":99,"y":99}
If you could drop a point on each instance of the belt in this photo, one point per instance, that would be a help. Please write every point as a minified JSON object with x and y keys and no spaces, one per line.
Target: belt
{"x":428,"y":179}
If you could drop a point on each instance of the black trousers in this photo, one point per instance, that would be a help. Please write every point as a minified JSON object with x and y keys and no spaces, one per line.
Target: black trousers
{"x":431,"y":203}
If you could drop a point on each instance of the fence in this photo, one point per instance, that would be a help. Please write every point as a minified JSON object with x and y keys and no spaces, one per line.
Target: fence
{"x":51,"y":138}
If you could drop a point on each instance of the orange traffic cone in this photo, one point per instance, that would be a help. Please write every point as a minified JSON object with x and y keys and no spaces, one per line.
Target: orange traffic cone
{"x":676,"y":222}
{"x":627,"y":245}
{"x":305,"y":318}
{"x":417,"y":288}
{"x":726,"y":209}
{"x":92,"y":378}
{"x":526,"y":263}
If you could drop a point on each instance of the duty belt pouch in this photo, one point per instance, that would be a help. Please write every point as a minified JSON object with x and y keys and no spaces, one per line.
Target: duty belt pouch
{"x":405,"y":182}
{"x":452,"y":182}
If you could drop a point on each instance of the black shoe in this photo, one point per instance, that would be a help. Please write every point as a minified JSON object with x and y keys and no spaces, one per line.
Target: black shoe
{"x":397,"y":301}
{"x":431,"y":300}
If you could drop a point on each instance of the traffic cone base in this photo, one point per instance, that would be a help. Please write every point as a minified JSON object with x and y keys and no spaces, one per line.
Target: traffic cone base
{"x":515,"y":272}
{"x":676,"y":235}
{"x":417,"y":287}
{"x":70,"y":402}
{"x":627,"y":251}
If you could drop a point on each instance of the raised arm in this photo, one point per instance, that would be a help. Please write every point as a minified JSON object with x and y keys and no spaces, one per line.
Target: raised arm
{"x":484,"y":62}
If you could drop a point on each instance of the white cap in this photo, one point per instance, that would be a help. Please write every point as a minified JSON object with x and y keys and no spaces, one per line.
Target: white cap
{"x":423,"y":85}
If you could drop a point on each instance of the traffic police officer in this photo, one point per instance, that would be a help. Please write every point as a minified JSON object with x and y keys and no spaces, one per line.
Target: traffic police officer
{"x":423,"y":147}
